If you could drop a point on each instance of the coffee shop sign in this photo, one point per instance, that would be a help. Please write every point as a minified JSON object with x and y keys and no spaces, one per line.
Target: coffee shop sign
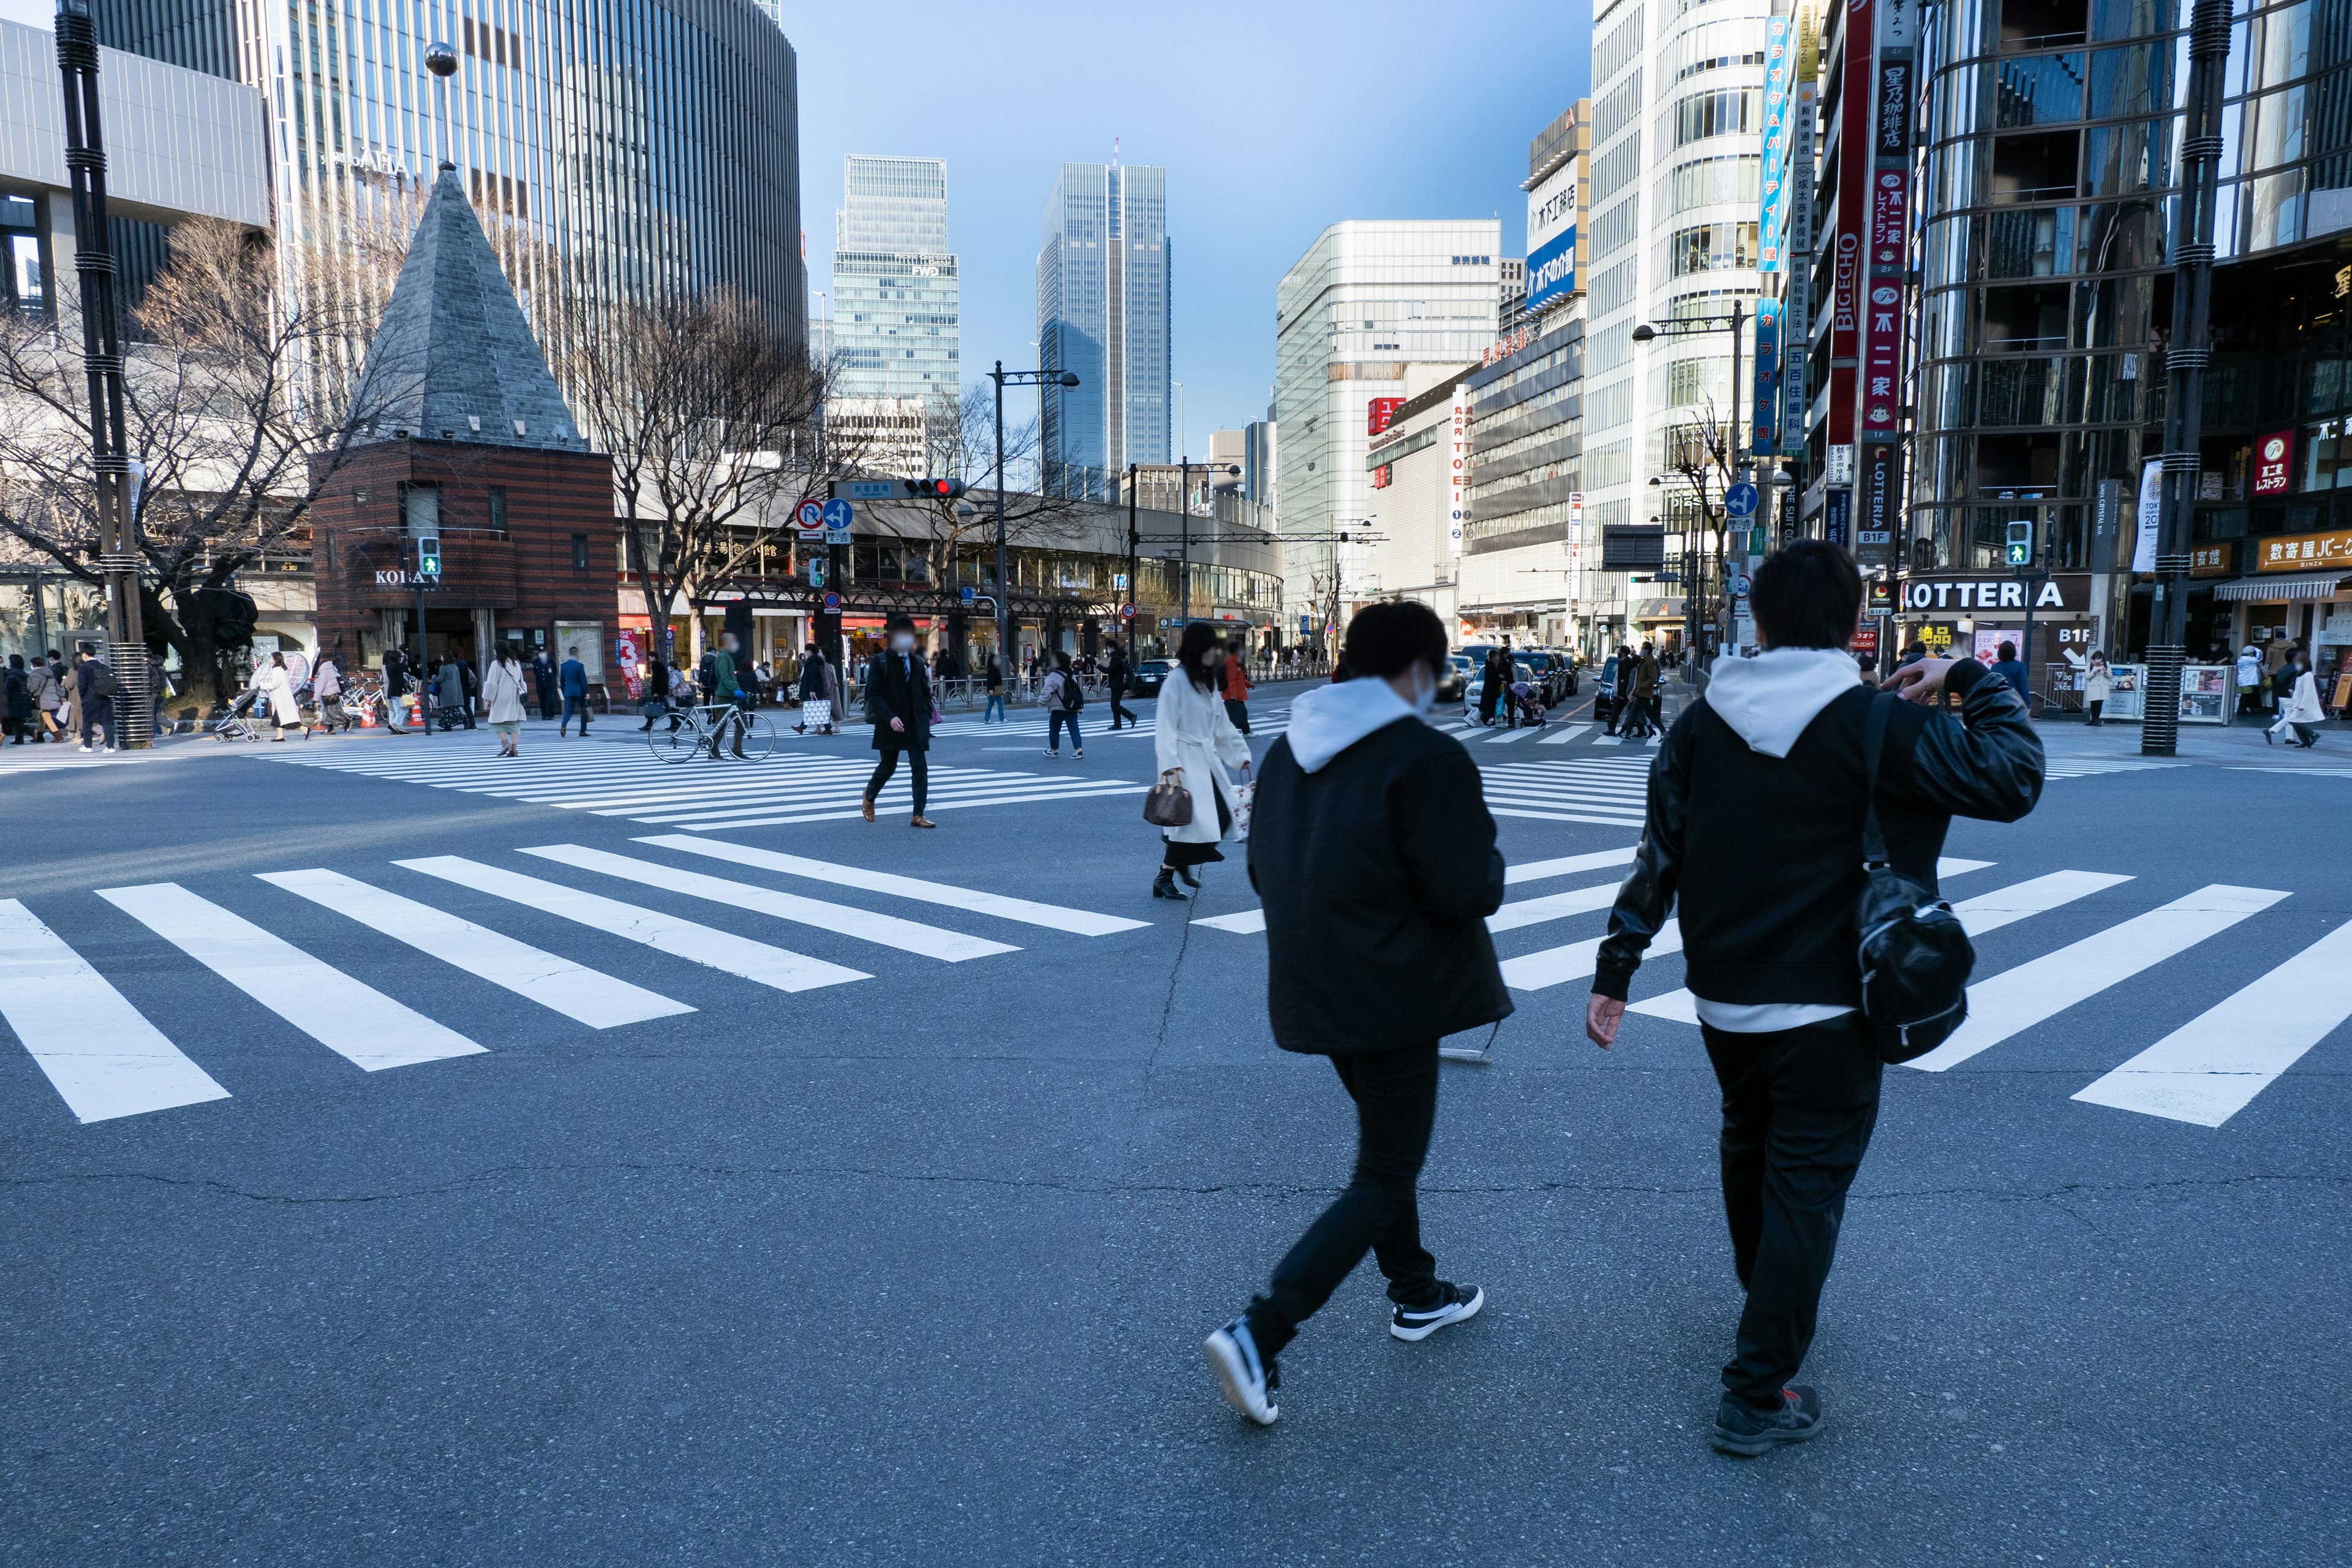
{"x":1990,"y":596}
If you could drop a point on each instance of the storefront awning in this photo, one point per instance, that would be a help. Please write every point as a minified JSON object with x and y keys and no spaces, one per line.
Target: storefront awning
{"x":2280,"y":589}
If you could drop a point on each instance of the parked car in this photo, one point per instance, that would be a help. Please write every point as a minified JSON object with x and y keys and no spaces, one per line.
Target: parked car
{"x":1145,"y":678}
{"x":1557,"y":670}
{"x":1477,"y":686}
{"x":1454,"y":681}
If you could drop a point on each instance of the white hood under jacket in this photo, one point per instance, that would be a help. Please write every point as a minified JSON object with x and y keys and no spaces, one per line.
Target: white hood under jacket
{"x":1768,"y":701}
{"x":1330,"y":719}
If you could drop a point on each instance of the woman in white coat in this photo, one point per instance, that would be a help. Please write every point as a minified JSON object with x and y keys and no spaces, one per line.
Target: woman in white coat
{"x":1193,"y":736}
{"x":502,"y":688}
{"x":277,"y":686}
{"x":2098,"y":682}
{"x":2301,"y":713}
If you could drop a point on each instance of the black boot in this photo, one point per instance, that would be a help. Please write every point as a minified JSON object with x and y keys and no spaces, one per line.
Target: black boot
{"x":1192,"y":878}
{"x":1165,"y":887}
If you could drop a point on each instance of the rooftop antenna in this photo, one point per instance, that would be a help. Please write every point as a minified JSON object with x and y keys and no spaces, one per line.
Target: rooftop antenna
{"x":441,"y":59}
{"x":1114,"y":151}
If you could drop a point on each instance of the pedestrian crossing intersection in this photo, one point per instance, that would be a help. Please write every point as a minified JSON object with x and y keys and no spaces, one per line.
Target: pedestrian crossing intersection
{"x":1028,"y":724}
{"x":2203,"y":1072}
{"x":700,"y":795}
{"x":107,"y":1058}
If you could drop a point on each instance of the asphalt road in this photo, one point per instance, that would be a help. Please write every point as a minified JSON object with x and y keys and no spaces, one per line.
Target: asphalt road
{"x":913,"y":1269}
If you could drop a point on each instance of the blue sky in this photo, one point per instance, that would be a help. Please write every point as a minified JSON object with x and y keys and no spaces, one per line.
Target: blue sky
{"x":1272,"y":120}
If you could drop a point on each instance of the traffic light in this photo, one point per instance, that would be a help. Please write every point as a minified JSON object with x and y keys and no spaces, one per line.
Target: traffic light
{"x":2020,"y":543}
{"x":934,"y":490}
{"x":428,"y":555}
{"x":816,"y":570}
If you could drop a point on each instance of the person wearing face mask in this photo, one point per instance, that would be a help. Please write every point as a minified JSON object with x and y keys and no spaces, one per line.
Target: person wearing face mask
{"x":898,"y":703}
{"x":1373,"y":850}
{"x":1194,"y":739}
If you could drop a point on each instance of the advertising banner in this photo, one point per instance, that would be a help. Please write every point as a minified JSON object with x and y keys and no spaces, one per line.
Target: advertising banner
{"x":1797,"y":293}
{"x":1457,"y":468}
{"x":1552,"y":209}
{"x":2273,"y":463}
{"x":2151,"y":513}
{"x":1849,"y":258}
{"x":1895,"y":37}
{"x":1767,"y":376}
{"x":1777,"y":72}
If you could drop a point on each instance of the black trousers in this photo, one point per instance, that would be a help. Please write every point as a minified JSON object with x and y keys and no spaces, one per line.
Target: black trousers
{"x":1798,"y":1109}
{"x":1117,"y":714}
{"x":889,"y":764}
{"x":1396,"y":1106}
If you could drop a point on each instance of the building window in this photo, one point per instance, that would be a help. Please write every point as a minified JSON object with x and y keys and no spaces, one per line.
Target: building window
{"x":579,"y":552}
{"x":498,"y":515}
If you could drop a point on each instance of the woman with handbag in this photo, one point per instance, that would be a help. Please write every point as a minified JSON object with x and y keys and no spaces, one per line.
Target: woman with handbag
{"x":502,"y":689}
{"x":1198,"y":744}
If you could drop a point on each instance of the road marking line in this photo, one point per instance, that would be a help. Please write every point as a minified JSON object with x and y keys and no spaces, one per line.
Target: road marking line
{"x":2211,"y":1068}
{"x":2007,"y":906}
{"x":895,"y":798}
{"x":1053,"y":917}
{"x":1553,"y":907}
{"x":1535,"y":870}
{"x":101,"y":1054}
{"x":2017,"y":999}
{"x":1608,"y":740}
{"x":1247,"y":922}
{"x":1507,"y":736}
{"x":889,"y":930}
{"x":721,"y":949}
{"x":1565,"y":736}
{"x":354,"y":1020}
{"x":580,"y":994}
{"x":1557,"y":965}
{"x":1620,"y":820}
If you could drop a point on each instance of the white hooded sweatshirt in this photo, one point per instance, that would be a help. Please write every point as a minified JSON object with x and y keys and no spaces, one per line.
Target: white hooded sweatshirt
{"x":1328,"y":719}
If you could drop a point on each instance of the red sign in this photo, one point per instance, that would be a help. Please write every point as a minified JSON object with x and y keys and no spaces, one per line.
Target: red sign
{"x":1381,"y":476}
{"x":1379,"y":412}
{"x":2273,"y":463}
{"x":1866,"y":639}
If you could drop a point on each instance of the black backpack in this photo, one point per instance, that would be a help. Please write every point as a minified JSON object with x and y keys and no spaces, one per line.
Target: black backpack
{"x":1915,"y":954}
{"x":1074,"y":696}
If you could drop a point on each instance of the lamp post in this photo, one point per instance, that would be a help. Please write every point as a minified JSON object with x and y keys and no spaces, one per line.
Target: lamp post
{"x":1645,"y":332}
{"x":1001,"y":376}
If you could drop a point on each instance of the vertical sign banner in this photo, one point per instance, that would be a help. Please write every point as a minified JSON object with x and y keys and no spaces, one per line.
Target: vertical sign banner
{"x":1878,"y":523}
{"x":1575,"y":549}
{"x":2151,"y":512}
{"x":1776,"y":137}
{"x":1457,"y":467}
{"x":1797,"y":297}
{"x":2273,"y":463}
{"x":1837,"y":517}
{"x":1767,"y":377}
{"x":1848,"y":262}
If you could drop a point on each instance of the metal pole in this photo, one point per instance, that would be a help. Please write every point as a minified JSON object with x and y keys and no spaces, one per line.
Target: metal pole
{"x":1003,"y":583}
{"x":1134,"y":484}
{"x":1184,"y":506}
{"x":2185,"y":357}
{"x":102,"y":340}
{"x":424,"y":709}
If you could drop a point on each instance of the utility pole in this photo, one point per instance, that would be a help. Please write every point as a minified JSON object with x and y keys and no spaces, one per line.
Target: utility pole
{"x":2184,"y":363}
{"x":101,"y":353}
{"x":1003,"y":583}
{"x":1134,"y":483}
{"x":1184,"y":506}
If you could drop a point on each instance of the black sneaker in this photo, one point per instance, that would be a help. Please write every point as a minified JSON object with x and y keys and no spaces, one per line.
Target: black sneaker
{"x":1743,"y":1430}
{"x":1454,"y":1303}
{"x":1242,"y":1377}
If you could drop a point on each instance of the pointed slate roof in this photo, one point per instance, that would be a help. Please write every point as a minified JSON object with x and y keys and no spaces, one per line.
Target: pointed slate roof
{"x":454,"y":348}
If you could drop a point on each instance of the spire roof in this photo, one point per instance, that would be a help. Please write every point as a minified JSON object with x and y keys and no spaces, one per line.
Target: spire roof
{"x":454,"y":358}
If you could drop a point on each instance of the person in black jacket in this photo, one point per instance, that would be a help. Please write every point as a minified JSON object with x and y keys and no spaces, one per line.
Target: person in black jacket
{"x":1373,"y":850}
{"x":1115,"y":685}
{"x":1753,"y":827}
{"x":899,"y":701}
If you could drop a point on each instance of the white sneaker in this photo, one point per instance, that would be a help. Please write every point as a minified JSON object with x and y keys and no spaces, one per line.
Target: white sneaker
{"x":1241,"y":1377}
{"x":85,"y":748}
{"x":1454,"y":1303}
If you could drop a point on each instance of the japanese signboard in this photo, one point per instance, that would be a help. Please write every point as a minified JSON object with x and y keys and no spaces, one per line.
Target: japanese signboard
{"x":1767,"y":376}
{"x":1777,"y":73}
{"x":1457,"y":468}
{"x":2273,"y":463}
{"x":2305,"y":551}
{"x":1380,"y":413}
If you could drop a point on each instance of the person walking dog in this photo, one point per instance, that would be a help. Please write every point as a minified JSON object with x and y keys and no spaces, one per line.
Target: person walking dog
{"x":1755,"y":837}
{"x":1373,"y":850}
{"x":899,"y":701}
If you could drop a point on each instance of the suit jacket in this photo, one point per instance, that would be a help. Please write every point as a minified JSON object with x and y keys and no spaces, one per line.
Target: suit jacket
{"x":900,"y":688}
{"x":575,"y":677}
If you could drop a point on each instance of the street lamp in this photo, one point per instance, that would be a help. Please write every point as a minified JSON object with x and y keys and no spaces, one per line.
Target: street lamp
{"x":1645,"y":332}
{"x":1039,"y":378}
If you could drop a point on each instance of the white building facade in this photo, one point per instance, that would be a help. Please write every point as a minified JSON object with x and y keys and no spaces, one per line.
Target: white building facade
{"x":896,"y":311}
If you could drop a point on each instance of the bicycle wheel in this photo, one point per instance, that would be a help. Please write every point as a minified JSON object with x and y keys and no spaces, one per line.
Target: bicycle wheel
{"x":676,"y":744}
{"x":758,"y":738}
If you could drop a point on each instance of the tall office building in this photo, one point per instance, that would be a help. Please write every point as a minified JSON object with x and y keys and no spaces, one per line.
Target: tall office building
{"x":1104,"y":314}
{"x":895,"y":308}
{"x":1677,"y":122}
{"x":679,"y":173}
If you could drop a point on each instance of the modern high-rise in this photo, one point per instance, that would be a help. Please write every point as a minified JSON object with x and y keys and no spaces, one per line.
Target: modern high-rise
{"x":1677,"y":120}
{"x":1373,"y":314}
{"x":895,"y":305}
{"x":1103,"y":313}
{"x":651,"y":151}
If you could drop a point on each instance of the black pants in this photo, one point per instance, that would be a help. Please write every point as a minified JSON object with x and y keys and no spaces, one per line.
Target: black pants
{"x":1238,"y":711}
{"x":2096,"y":705}
{"x":1118,"y":715}
{"x":1798,"y":1109}
{"x":889,"y":764}
{"x":1396,"y":1106}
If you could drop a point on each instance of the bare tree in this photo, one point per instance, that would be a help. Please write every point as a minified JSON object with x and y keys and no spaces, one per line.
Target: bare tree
{"x":960,"y":435}
{"x":235,"y":433}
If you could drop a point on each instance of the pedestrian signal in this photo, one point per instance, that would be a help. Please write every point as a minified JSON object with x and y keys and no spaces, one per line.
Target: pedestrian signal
{"x":428,"y":557}
{"x":2020,"y":543}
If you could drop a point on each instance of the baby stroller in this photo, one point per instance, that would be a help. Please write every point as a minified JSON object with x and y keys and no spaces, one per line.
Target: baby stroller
{"x":239,"y":721}
{"x":1529,"y":698}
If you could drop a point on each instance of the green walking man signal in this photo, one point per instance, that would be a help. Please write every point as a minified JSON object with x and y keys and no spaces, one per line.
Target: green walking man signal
{"x":428,"y":555}
{"x":2020,"y":543}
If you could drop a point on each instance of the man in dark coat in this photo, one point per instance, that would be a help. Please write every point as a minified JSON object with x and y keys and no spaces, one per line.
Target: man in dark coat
{"x":542,"y":680}
{"x":1115,"y":684}
{"x":899,"y":701}
{"x":1372,"y":849}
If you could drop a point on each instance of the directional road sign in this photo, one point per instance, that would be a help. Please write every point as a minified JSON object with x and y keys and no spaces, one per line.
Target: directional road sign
{"x":1740,"y":501}
{"x":966,"y":594}
{"x":838,"y":515}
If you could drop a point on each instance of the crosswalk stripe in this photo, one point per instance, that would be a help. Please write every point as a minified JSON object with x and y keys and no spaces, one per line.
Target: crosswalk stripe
{"x":889,"y":930}
{"x":707,"y":945}
{"x":1608,"y":740}
{"x":717,"y":812}
{"x":1553,"y":907}
{"x":356,"y":1021}
{"x":99,"y":1052}
{"x":1618,"y":819}
{"x":1053,"y":917}
{"x":1568,"y":732}
{"x":1535,"y":870}
{"x":2037,"y":894}
{"x":1507,"y":736}
{"x":893,"y":799}
{"x":2017,"y":999}
{"x":1575,"y":960}
{"x":580,"y":994}
{"x":1247,"y":922}
{"x":2211,"y":1068}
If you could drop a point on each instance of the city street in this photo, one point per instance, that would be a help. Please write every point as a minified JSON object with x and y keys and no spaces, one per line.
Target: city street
{"x":412,"y":1157}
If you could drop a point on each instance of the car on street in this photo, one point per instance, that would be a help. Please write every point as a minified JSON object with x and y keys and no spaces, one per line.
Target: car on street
{"x":1145,"y":678}
{"x":1455,"y":679}
{"x":1476,"y":688}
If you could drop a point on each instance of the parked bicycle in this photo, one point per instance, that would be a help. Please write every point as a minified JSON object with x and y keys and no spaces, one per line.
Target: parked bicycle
{"x":715,"y":730}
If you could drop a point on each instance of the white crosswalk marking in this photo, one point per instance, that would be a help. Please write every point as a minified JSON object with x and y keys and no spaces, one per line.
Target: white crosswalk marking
{"x":1559,"y":965}
{"x":721,"y":949}
{"x":1535,"y":870}
{"x":356,"y":1021}
{"x":2211,"y":1068}
{"x":1568,"y":732}
{"x":100,"y":1053}
{"x":1246,"y":923}
{"x":1553,"y":907}
{"x":1054,"y":917}
{"x":1507,"y":736}
{"x":1525,"y":912}
{"x":2017,"y":999}
{"x":2006,"y":906}
{"x":598,"y":1001}
{"x":889,"y":930}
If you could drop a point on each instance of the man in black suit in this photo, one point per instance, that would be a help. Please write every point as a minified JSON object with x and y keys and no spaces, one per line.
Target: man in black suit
{"x":899,"y":701}
{"x":542,"y":678}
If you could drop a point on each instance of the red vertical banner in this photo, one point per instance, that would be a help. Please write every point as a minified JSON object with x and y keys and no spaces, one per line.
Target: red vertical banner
{"x":1849,"y":241}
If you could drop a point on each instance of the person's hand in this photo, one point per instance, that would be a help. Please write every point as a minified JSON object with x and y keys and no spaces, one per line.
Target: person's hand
{"x":1920,"y":682}
{"x":899,"y":724}
{"x":1601,"y":1016}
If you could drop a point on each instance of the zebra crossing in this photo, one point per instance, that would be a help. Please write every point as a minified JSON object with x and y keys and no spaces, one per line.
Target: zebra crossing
{"x":1033,"y":723}
{"x":106,"y":1059}
{"x":2202,"y":1073}
{"x":629,"y":782}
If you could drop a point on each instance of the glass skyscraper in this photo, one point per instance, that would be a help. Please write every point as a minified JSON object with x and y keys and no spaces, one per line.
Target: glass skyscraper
{"x":895,"y":312}
{"x":1103,"y":312}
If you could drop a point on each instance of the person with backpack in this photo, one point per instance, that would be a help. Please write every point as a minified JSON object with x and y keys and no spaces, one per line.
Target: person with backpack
{"x":1762,"y":807}
{"x":1063,"y":696}
{"x":95,"y":687}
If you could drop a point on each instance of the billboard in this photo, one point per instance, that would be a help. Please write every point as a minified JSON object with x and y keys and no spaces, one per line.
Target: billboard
{"x":1776,"y":74}
{"x":1797,"y":292}
{"x":1380,"y":413}
{"x":1767,"y":376}
{"x":1551,"y":269}
{"x":1554,"y":206}
{"x":1457,"y":468}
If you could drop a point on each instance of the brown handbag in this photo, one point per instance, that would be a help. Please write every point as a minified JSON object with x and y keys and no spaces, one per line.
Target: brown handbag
{"x":1170,"y":804}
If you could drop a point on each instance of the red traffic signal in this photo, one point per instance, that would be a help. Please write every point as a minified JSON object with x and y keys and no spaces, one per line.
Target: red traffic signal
{"x":934,"y":490}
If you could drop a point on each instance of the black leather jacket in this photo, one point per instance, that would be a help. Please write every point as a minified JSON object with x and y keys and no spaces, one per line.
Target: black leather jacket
{"x":1986,"y":763}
